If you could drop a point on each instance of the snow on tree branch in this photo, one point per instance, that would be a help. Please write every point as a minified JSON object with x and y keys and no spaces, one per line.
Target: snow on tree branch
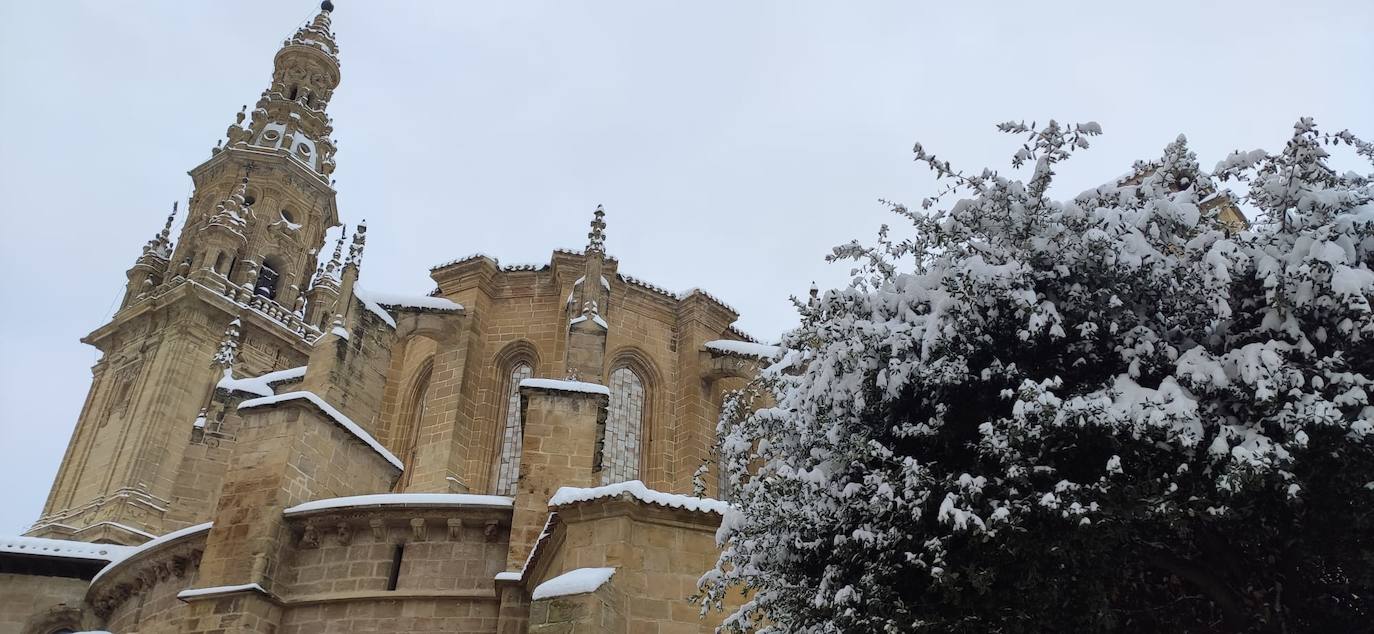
{"x":1107,"y":412}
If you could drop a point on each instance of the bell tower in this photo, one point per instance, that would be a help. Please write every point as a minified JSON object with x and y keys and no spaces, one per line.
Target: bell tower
{"x":248,"y":251}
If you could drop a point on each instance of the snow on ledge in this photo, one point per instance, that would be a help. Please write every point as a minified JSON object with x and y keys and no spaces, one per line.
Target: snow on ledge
{"x":404,"y":499}
{"x":635,"y":488}
{"x":728,"y":346}
{"x":596,"y":319}
{"x":336,"y":415}
{"x":576,"y":581}
{"x":117,"y":526}
{"x":68,"y":549}
{"x":146,"y":546}
{"x":219,"y":590}
{"x":509,"y":575}
{"x":566,"y":386}
{"x":407,"y":301}
{"x":260,"y":385}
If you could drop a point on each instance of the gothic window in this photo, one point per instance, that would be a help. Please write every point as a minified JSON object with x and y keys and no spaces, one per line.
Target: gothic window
{"x":267,"y":281}
{"x":617,"y":444}
{"x":508,"y":464}
{"x":408,"y":433}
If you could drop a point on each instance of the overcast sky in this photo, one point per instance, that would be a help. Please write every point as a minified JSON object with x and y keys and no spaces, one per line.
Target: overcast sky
{"x":732,"y":143}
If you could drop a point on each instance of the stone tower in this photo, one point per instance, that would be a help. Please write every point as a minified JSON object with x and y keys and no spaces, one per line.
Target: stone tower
{"x":248,"y":251}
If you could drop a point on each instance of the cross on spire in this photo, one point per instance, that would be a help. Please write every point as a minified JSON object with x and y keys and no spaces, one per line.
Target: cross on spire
{"x":596,"y":238}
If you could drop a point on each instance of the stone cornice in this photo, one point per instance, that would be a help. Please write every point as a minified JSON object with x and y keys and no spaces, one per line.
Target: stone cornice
{"x":154,"y":562}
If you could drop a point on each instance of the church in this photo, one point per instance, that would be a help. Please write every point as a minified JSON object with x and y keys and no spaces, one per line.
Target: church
{"x":267,"y":446}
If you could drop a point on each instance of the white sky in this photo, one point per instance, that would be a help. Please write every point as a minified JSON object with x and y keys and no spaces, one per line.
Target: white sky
{"x":732,"y":143}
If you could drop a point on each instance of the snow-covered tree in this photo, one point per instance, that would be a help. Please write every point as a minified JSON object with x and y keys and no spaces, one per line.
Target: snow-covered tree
{"x":1105,"y":413}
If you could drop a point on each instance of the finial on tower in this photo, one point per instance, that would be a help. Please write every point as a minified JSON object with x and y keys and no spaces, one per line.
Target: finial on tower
{"x":330,"y":271}
{"x":161,"y":244}
{"x":355,"y":250}
{"x":167,"y":227}
{"x":327,"y":6}
{"x":228,"y":348}
{"x":596,"y":239}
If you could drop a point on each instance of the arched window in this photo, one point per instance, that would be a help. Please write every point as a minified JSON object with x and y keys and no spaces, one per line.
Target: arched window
{"x":617,"y":443}
{"x":408,"y":433}
{"x":508,"y":463}
{"x":268,"y":276}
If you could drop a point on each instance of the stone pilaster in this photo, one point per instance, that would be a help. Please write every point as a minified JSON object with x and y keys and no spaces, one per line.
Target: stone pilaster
{"x":559,"y":438}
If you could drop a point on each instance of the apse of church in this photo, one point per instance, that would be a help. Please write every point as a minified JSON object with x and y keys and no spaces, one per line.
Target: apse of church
{"x":268,"y":445}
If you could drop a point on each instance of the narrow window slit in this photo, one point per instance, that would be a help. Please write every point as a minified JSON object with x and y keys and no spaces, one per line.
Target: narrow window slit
{"x":396,"y":554}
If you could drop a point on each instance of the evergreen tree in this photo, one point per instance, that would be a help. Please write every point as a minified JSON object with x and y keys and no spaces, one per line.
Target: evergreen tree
{"x":1109,"y":413}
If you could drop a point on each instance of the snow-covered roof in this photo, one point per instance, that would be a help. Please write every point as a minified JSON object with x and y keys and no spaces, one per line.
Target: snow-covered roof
{"x":465,"y":258}
{"x":629,"y":279}
{"x":566,"y":386}
{"x":407,"y":301}
{"x":745,"y":348}
{"x":575,"y":581}
{"x":260,"y":385}
{"x":333,"y":414}
{"x":149,"y":545}
{"x":68,"y":549}
{"x":743,"y":335}
{"x":405,"y":499}
{"x":636,"y":489}
{"x":701,"y":291}
{"x":366,"y":299}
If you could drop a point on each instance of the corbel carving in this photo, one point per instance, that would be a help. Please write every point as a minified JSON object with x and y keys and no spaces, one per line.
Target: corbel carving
{"x":455,"y":528}
{"x":417,"y":528}
{"x":343,"y":533}
{"x":310,"y":539}
{"x":378,"y":528}
{"x":490,"y":532}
